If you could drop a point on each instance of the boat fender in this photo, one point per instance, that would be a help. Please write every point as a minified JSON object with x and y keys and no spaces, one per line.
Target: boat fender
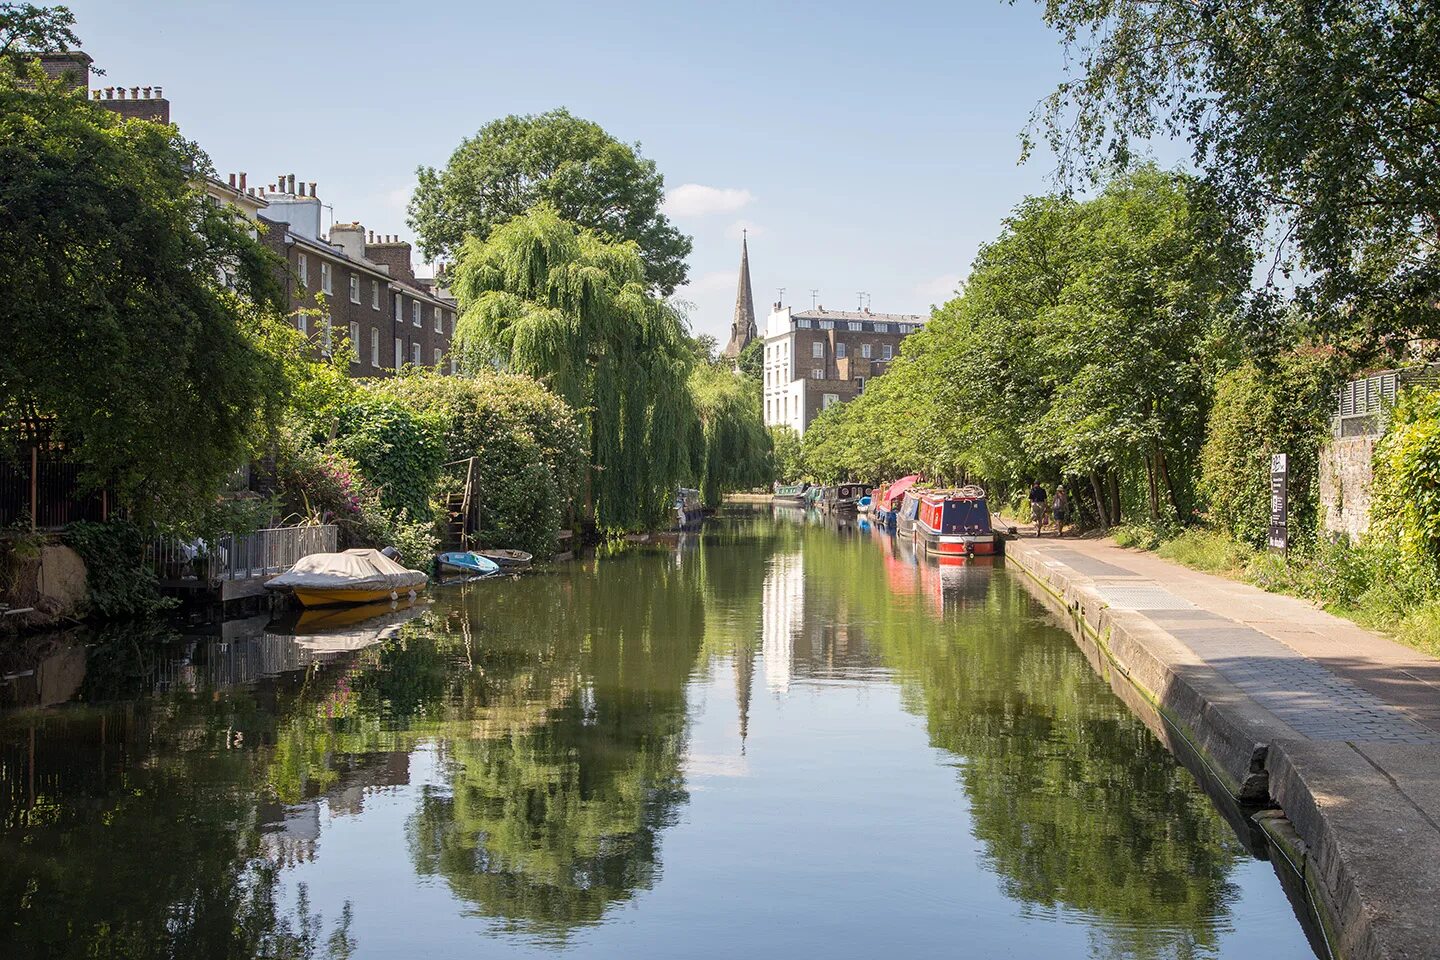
{"x":394,"y":595}
{"x":411,"y":595}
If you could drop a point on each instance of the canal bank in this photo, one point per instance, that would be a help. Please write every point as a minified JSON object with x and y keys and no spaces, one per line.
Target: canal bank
{"x":1290,"y":707}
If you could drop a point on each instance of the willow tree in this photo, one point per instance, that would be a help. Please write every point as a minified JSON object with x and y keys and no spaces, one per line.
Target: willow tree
{"x":543,"y":297}
{"x":735,"y":447}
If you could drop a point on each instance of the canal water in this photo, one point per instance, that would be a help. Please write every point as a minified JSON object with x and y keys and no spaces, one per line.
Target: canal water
{"x":779,"y":738}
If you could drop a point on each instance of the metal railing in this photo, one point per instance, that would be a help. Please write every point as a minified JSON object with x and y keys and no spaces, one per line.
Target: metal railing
{"x":1361,"y":405}
{"x":239,"y":556}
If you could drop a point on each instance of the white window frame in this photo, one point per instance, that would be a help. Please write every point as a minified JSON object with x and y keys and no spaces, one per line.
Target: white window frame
{"x":399,"y":353}
{"x":304,"y":271}
{"x":882,"y":328}
{"x":399,"y":308}
{"x":439,"y":320}
{"x":817,"y":350}
{"x":327,"y":283}
{"x":828,"y":400}
{"x":827,"y":324}
{"x":374,"y":294}
{"x":375,"y":347}
{"x":840,"y":351}
{"x":415,"y":354}
{"x":865,"y":351}
{"x":354,"y":288}
{"x":415,"y":314}
{"x":888,"y":352}
{"x":860,"y":384}
{"x":856,"y":326}
{"x":439,"y":357}
{"x":816,"y":373}
{"x":302,"y":323}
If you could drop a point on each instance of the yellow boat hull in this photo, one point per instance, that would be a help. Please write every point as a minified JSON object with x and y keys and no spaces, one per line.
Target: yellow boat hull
{"x":324,"y":598}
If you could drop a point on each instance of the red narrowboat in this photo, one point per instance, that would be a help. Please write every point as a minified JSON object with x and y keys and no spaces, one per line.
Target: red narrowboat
{"x":956,"y":523}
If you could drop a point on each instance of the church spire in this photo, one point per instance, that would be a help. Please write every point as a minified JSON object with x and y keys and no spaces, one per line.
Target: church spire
{"x":742,"y":328}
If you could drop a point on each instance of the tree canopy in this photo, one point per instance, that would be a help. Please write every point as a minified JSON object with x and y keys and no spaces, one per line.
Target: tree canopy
{"x":585,"y":174}
{"x":1316,"y":119}
{"x":135,"y":313}
{"x":554,"y":301}
{"x":1083,"y":346}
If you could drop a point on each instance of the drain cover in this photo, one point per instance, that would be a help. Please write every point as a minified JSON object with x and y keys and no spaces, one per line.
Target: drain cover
{"x":1125,"y":596}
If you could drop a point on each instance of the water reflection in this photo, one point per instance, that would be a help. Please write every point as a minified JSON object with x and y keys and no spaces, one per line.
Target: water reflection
{"x":533,"y":748}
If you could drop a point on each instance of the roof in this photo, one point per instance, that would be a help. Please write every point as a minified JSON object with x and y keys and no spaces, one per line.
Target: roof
{"x":857,"y":315}
{"x":337,"y":253}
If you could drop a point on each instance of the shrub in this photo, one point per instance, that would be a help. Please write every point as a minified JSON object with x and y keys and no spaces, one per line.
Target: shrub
{"x":120,"y":583}
{"x":1405,"y":506}
{"x":397,"y":450}
{"x":1207,"y":550}
{"x":1257,"y":411}
{"x":526,"y":441}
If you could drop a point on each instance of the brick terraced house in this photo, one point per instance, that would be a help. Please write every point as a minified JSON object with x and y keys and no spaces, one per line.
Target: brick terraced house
{"x":371,"y":294}
{"x":815,"y":358}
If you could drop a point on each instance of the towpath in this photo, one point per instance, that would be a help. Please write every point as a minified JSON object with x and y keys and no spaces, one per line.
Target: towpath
{"x":1338,"y":726}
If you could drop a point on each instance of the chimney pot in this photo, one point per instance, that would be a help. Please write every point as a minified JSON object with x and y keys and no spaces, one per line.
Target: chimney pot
{"x":95,"y":93}
{"x":158,"y":94}
{"x":147,"y":93}
{"x":312,"y":189}
{"x":301,"y":191}
{"x":232,"y":181}
{"x":242,"y":180}
{"x":290,"y":183}
{"x":134,"y":93}
{"x":109,"y":92}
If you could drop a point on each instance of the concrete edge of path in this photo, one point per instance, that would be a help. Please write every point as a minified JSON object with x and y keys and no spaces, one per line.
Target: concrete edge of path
{"x":1369,"y":853}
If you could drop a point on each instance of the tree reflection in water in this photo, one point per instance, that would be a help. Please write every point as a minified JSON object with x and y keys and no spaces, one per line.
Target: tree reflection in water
{"x":573,"y":763}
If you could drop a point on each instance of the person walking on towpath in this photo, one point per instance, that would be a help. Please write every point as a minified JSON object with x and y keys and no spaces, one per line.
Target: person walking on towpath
{"x":1038,"y":501}
{"x":1060,"y":510}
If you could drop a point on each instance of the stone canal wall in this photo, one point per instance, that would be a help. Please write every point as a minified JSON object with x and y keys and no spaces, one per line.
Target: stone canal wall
{"x":1352,"y":778}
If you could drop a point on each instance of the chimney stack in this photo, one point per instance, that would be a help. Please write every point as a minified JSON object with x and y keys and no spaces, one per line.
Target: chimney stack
{"x":242,"y":180}
{"x":291,"y":183}
{"x":232,"y":181}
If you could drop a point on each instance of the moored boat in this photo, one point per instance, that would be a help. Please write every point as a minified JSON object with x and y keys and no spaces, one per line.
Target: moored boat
{"x":353,"y":576}
{"x":792,"y":494}
{"x":907,"y":511}
{"x":842,"y":498}
{"x":886,"y":500}
{"x":506,"y":558}
{"x":955,"y":523}
{"x":689,"y":510}
{"x":468,"y":561}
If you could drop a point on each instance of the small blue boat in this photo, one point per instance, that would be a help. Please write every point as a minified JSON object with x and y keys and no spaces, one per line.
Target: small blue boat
{"x":468,"y":562}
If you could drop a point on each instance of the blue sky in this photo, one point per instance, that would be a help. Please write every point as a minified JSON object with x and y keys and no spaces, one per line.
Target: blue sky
{"x":868,"y":146}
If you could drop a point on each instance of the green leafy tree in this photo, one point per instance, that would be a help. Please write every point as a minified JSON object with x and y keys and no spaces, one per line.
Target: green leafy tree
{"x":1321,"y":117}
{"x":734,"y":444}
{"x":555,"y":158}
{"x":117,"y":321}
{"x":544,"y":298}
{"x":787,"y":451}
{"x":751,"y":360}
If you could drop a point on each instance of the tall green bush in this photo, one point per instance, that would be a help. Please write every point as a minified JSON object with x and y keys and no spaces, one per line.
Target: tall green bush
{"x":398,"y":451}
{"x":1258,"y":411}
{"x":1405,"y":505}
{"x":526,"y":442}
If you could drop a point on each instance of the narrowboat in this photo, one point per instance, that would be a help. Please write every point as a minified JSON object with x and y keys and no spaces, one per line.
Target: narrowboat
{"x":907,"y":512}
{"x":955,"y":523}
{"x":843,"y":498}
{"x":885,"y":501}
{"x":689,"y":510}
{"x":791,"y":494}
{"x":813,"y":496}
